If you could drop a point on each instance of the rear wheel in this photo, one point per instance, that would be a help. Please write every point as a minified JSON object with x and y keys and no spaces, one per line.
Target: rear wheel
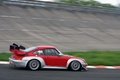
{"x":75,"y":66}
{"x":33,"y":65}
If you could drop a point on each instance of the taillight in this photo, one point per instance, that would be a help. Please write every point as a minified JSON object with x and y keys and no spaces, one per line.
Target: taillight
{"x":18,"y":57}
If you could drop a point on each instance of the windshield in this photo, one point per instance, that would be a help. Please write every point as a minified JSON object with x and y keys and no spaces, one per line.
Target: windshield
{"x":30,"y":49}
{"x":59,"y":52}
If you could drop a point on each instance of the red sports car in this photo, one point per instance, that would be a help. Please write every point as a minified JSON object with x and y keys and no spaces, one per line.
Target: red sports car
{"x":39,"y":57}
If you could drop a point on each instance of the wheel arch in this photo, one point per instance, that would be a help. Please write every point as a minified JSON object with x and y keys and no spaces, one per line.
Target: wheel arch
{"x":73,"y":59}
{"x":31,"y":60}
{"x":27,"y":59}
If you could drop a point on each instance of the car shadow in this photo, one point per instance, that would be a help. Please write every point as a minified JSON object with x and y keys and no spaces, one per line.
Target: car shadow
{"x":25,"y":69}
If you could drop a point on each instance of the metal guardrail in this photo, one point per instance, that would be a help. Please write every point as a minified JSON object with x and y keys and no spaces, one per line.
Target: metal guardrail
{"x":64,"y":6}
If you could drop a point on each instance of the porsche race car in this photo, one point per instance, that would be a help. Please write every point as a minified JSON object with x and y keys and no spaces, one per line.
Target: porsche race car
{"x":39,"y":57}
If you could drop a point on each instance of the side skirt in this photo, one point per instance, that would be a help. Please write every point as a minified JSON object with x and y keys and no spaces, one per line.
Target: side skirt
{"x":53,"y":67}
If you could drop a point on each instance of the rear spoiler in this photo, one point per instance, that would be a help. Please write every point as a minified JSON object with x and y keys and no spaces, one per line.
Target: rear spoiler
{"x":14,"y":46}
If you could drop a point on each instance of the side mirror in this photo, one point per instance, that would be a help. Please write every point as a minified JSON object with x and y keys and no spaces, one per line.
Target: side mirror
{"x":60,"y":55}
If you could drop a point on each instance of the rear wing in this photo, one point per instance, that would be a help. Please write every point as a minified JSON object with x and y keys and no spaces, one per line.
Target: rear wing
{"x":14,"y":46}
{"x":16,"y":49}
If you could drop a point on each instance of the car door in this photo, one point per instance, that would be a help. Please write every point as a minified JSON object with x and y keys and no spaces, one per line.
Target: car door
{"x":52,"y":58}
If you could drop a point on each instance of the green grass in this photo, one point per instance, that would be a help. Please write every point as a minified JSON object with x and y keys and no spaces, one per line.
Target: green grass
{"x":99,"y":57}
{"x":110,"y":58}
{"x":4,"y":56}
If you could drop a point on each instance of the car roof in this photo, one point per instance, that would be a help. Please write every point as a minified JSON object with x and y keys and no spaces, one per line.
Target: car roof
{"x":44,"y":46}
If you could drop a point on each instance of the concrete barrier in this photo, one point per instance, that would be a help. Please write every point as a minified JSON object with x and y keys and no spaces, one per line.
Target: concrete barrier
{"x":64,"y":6}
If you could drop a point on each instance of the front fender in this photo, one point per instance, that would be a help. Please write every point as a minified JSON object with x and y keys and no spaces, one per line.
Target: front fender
{"x":27,"y":59}
{"x":72,"y":59}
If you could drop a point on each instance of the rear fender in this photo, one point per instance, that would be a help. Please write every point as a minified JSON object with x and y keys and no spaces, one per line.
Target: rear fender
{"x":27,"y":59}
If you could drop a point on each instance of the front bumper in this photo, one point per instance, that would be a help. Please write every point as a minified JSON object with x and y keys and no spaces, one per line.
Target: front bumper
{"x":84,"y":66}
{"x":17,"y":63}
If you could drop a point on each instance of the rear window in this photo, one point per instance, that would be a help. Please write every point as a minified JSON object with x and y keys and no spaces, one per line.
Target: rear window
{"x":30,"y":49}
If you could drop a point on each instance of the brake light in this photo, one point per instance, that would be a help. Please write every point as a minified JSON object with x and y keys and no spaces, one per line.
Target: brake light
{"x":18,"y":58}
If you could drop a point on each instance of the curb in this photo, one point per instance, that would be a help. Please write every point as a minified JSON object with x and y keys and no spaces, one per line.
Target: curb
{"x":4,"y":62}
{"x":97,"y":67}
{"x":104,"y":67}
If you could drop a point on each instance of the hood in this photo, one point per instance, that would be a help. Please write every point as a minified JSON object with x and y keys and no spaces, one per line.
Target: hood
{"x":68,"y":56}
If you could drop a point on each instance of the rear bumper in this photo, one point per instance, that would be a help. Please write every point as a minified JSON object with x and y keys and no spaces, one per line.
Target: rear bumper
{"x":17,"y":63}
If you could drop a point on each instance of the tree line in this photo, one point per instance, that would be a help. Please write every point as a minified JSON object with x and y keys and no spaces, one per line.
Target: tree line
{"x":87,"y":3}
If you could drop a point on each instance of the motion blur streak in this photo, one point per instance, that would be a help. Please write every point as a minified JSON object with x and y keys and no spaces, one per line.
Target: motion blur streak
{"x":67,"y":30}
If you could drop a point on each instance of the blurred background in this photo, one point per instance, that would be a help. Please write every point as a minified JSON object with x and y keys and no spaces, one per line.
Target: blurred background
{"x":69,"y":25}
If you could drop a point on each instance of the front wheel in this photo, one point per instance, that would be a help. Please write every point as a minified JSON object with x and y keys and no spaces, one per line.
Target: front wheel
{"x":75,"y":66}
{"x":33,"y":65}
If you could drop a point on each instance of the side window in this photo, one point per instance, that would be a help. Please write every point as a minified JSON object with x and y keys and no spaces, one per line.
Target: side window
{"x":39,"y":52}
{"x":51,"y":52}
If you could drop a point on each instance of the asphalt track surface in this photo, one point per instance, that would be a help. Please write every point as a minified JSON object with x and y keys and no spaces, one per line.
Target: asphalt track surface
{"x":7,"y":72}
{"x":67,"y":30}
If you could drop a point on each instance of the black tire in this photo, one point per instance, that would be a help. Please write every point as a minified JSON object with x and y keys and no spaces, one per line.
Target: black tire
{"x":33,"y":65}
{"x":75,"y":66}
